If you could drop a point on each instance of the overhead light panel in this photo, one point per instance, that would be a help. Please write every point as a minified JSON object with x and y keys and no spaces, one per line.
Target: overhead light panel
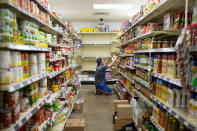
{"x":111,"y":6}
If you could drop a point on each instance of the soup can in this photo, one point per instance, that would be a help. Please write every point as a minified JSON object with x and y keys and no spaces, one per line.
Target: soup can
{"x":5,"y":76}
{"x":41,"y":68}
{"x":5,"y":59}
{"x":41,"y":58}
{"x":33,"y":59}
{"x":43,"y":82}
{"x":24,"y":104}
{"x":33,"y":70}
{"x":42,"y":92}
{"x":6,"y":118}
{"x":15,"y":58}
{"x":15,"y":113}
{"x":16,"y":74}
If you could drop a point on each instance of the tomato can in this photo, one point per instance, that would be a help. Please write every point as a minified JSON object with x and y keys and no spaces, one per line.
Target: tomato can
{"x":6,"y":118}
{"x":33,"y":59}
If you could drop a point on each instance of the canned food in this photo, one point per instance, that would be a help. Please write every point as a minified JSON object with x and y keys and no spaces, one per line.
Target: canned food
{"x":41,"y":58}
{"x":24,"y":104}
{"x":11,"y":99}
{"x":15,"y":58}
{"x":5,"y":76}
{"x":55,"y":88}
{"x":33,"y":70}
{"x":16,"y":74}
{"x":20,"y":73}
{"x":6,"y":118}
{"x":5,"y":59}
{"x":42,"y":92}
{"x":33,"y":59}
{"x":43,"y":82}
{"x":15,"y":113}
{"x":41,"y":68}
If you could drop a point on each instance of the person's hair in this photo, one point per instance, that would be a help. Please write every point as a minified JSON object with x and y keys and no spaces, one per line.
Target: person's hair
{"x":99,"y":61}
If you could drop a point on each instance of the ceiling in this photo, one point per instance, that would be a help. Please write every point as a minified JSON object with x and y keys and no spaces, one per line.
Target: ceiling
{"x":83,"y":9}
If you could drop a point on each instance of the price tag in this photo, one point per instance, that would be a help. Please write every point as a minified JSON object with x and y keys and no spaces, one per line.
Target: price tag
{"x":177,"y":116}
{"x":186,"y":123}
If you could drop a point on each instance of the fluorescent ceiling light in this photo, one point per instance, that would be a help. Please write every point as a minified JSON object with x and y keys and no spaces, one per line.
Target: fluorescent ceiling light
{"x":111,"y":6}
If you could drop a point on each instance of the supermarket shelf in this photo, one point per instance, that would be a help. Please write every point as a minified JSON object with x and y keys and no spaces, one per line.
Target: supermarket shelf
{"x":66,"y":82}
{"x":44,"y":125}
{"x":54,"y":96}
{"x":142,"y":82}
{"x":159,"y":50}
{"x":126,"y":77}
{"x":168,"y":79}
{"x":56,"y":59}
{"x":23,"y":13}
{"x":67,"y":53}
{"x":13,"y":46}
{"x":134,"y":122}
{"x":125,"y":55}
{"x":122,"y":66}
{"x":117,"y":93}
{"x":161,"y":8}
{"x":130,"y":67}
{"x":97,"y":44}
{"x":94,"y":56}
{"x":150,"y":34}
{"x":144,"y":99}
{"x":156,"y":124}
{"x":193,"y":49}
{"x":58,"y":72}
{"x":58,"y":45}
{"x":54,"y":18}
{"x":180,"y":114}
{"x":98,"y":33}
{"x":24,"y":117}
{"x":148,"y":68}
{"x":56,"y":114}
{"x":19,"y":85}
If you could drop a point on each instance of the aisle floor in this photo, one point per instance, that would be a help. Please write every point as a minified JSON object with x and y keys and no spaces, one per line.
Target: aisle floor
{"x":97,"y":110}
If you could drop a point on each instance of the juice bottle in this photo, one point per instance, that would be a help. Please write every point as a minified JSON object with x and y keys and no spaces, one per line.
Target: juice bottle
{"x":162,"y":118}
{"x":163,"y":65}
{"x":191,"y":105}
{"x":168,"y":66}
{"x":173,"y":66}
{"x":179,"y":96}
{"x":175,"y":125}
{"x":166,"y":121}
{"x":161,"y":90}
{"x":181,"y":127}
{"x":165,"y":90}
{"x":159,"y":64}
{"x":155,"y":63}
{"x":170,"y":99}
{"x":158,"y":89}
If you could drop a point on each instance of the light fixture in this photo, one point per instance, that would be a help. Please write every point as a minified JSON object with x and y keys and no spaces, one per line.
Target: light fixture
{"x":112,"y":6}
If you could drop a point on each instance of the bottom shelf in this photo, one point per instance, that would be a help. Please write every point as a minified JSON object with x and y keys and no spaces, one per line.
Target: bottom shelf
{"x":156,"y":124}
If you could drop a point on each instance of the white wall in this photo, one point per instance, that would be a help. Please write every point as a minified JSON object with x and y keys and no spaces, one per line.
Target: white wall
{"x":114,"y":25}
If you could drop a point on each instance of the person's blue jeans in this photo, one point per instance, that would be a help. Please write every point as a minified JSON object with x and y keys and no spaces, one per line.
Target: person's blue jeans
{"x":104,"y":87}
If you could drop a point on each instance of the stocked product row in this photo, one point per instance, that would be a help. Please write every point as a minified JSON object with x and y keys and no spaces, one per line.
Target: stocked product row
{"x":162,"y":55}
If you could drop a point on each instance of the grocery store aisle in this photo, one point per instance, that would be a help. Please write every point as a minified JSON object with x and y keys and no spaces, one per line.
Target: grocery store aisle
{"x":97,"y":110}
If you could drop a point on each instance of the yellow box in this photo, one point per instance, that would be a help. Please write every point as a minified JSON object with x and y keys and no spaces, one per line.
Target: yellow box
{"x":87,"y":29}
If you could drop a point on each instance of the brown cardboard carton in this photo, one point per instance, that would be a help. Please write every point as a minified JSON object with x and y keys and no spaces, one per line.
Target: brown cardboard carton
{"x":119,"y":102}
{"x":75,"y":125}
{"x":78,"y":106}
{"x":119,"y":123}
{"x":124,"y":111}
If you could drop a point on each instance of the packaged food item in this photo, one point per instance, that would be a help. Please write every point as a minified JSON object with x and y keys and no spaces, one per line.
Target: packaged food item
{"x":11,"y":99}
{"x":24,"y":104}
{"x":5,"y":76}
{"x":15,"y":113}
{"x":43,"y":82}
{"x":33,"y":70}
{"x":6,"y":34}
{"x":41,"y":58}
{"x":42,"y":91}
{"x":33,"y":59}
{"x":41,"y":68}
{"x":6,"y":118}
{"x":16,"y":74}
{"x":5,"y":59}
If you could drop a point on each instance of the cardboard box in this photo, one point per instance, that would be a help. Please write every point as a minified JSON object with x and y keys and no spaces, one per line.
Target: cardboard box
{"x":124,"y":111}
{"x":75,"y":125}
{"x":119,"y":123}
{"x":116,"y":102}
{"x":78,"y":106}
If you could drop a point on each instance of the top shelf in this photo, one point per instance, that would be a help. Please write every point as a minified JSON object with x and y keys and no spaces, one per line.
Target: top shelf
{"x":161,"y":8}
{"x":22,"y":13}
{"x":97,"y":33}
{"x":54,"y":18}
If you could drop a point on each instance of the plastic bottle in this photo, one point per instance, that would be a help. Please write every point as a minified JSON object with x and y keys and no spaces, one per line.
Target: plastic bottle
{"x":155,"y":64}
{"x":159,"y":88}
{"x":191,"y":105}
{"x":164,"y":67}
{"x":185,"y":99}
{"x":154,"y":86}
{"x":171,"y":95}
{"x":159,"y":64}
{"x":169,"y":66}
{"x":166,"y":121}
{"x":178,"y":96}
{"x":165,"y":91}
{"x":173,"y":66}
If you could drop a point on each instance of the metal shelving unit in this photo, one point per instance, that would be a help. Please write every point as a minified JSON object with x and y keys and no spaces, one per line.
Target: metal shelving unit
{"x":159,"y":50}
{"x":58,"y":72}
{"x":142,"y":82}
{"x":168,"y":79}
{"x":12,"y":46}
{"x":156,"y":124}
{"x":151,"y":34}
{"x":180,"y":114}
{"x":16,"y":86}
{"x":148,"y":68}
{"x":24,"y":116}
{"x":132,"y":81}
{"x":56,"y":59}
{"x":125,"y":55}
